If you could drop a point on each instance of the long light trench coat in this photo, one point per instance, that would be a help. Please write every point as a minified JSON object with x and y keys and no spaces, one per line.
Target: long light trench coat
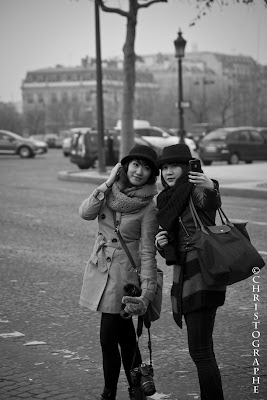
{"x":109,"y":269}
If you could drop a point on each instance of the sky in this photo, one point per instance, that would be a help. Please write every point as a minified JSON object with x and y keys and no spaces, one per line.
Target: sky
{"x":43,"y":33}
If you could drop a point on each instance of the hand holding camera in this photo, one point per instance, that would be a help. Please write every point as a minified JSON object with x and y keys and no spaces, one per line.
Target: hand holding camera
{"x":130,"y":291}
{"x":134,"y":305}
{"x":197,"y":177}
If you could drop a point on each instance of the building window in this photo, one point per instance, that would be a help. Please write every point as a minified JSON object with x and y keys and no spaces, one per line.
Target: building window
{"x":52,"y":77}
{"x":74,"y":97}
{"x":53,"y":98}
{"x":40,"y":98}
{"x":64,"y":97}
{"x":88,"y":97}
{"x":29,"y":98}
{"x":40,"y":78}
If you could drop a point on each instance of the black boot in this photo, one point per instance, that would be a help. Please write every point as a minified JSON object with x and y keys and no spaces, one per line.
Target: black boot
{"x":135,"y":393}
{"x":108,"y":394}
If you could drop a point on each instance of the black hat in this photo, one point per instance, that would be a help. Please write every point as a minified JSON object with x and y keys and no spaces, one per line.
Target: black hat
{"x":142,"y":152}
{"x":178,"y":153}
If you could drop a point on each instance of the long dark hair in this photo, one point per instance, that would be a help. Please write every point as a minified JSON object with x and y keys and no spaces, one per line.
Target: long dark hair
{"x":123,"y":172}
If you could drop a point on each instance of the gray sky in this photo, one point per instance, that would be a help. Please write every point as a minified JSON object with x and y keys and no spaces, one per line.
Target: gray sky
{"x":42,"y":33}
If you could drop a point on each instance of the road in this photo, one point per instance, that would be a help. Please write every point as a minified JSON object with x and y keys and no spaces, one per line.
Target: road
{"x":44,"y":246}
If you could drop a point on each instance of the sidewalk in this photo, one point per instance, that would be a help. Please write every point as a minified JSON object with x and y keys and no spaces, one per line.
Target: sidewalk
{"x":49,"y":345}
{"x":243,"y":180}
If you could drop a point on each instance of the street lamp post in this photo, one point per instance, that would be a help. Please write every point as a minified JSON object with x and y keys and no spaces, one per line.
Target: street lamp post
{"x":179,"y":44}
{"x":100,"y":116}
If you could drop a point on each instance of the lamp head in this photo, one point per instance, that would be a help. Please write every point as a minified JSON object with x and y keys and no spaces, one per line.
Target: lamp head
{"x":179,"y":44}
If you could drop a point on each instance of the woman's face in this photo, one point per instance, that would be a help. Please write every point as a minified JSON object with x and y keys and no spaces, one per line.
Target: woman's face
{"x":170,"y":173}
{"x":138,"y":173}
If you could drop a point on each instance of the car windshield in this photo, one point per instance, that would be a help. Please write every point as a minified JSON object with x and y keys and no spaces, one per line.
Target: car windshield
{"x":15,"y":135}
{"x":220,"y":134}
{"x":264,"y":133}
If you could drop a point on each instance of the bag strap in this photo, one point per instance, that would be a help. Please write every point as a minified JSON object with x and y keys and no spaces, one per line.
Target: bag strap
{"x":224,"y":219}
{"x":197,"y":220}
{"x":117,"y":231}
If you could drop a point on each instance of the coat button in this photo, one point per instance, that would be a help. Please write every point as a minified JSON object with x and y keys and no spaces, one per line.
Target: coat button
{"x":108,"y":259}
{"x":114,"y":240}
{"x":103,"y":216}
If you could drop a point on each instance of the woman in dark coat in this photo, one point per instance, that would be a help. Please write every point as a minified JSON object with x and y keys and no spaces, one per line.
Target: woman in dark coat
{"x":190,"y":296}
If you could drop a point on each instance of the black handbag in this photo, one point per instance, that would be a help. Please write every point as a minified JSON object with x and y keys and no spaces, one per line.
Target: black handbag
{"x":225,"y":253}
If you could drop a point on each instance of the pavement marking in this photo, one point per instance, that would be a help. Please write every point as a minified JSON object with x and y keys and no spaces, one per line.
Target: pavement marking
{"x":34,"y":343}
{"x":11,"y":334}
{"x":159,"y":396}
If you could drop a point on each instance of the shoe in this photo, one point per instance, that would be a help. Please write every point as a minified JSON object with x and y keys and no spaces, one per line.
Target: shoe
{"x":136,"y":393}
{"x":108,"y":394}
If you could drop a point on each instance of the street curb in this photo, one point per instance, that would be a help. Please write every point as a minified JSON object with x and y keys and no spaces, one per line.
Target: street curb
{"x":74,"y":176}
{"x":252,"y":193}
{"x":97,"y":178}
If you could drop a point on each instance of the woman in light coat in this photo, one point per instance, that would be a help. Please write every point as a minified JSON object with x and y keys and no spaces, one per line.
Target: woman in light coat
{"x":126,"y":200}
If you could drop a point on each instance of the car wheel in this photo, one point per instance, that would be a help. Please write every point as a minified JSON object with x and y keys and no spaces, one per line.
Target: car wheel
{"x":25,"y":152}
{"x":83,"y":166}
{"x":206,"y":162}
{"x":233,"y":159}
{"x":65,"y":154}
{"x":248,"y":161}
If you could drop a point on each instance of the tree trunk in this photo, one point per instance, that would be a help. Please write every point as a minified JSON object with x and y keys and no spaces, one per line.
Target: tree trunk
{"x":127,"y":132}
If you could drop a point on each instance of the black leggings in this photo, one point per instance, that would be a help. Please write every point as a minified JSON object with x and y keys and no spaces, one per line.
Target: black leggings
{"x":116,"y":331}
{"x":200,"y":325}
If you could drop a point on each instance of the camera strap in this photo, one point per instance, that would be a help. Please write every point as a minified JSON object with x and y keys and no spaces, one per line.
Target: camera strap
{"x":139,"y":331}
{"x":142,"y":319}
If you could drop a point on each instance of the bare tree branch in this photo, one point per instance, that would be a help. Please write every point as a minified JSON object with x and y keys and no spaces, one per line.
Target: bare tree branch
{"x":206,"y":5}
{"x":148,"y":3}
{"x":113,"y":9}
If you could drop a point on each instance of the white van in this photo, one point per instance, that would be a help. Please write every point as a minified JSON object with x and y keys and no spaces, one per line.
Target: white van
{"x":137,"y":123}
{"x":157,"y":137}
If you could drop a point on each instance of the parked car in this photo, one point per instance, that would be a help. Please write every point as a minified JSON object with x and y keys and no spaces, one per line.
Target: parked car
{"x":11,"y":143}
{"x":53,"y":140}
{"x":84,"y":147}
{"x":263,"y":131}
{"x":157,"y":137}
{"x":233,"y":145}
{"x":67,"y":137}
{"x":66,"y":145}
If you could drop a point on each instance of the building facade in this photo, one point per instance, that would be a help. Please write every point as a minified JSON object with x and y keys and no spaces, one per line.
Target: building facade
{"x":224,"y":90}
{"x":61,"y":98}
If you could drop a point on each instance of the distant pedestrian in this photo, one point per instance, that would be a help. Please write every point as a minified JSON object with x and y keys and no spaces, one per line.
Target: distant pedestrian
{"x":190,"y":296}
{"x":128,"y":194}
